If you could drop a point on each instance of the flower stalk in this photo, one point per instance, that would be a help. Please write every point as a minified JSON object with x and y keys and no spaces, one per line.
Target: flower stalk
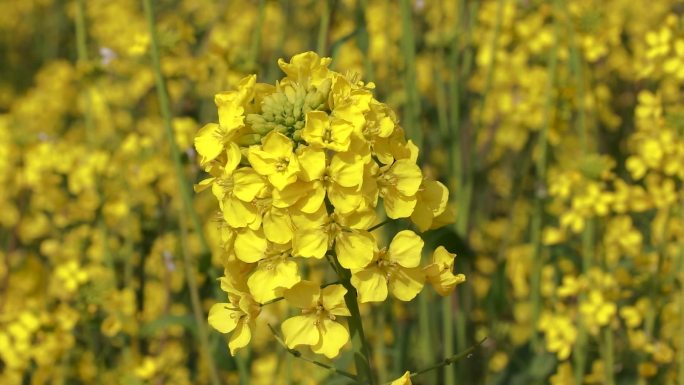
{"x":185,"y":195}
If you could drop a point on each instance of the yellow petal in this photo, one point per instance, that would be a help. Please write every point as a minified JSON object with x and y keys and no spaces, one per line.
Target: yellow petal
{"x":345,"y":199}
{"x":405,"y":379}
{"x":445,"y":282}
{"x":436,"y":195}
{"x":247,"y":184}
{"x":405,"y":284}
{"x":333,"y":336}
{"x":408,"y":176}
{"x":303,"y":295}
{"x":312,"y":163}
{"x":301,"y":330}
{"x":237,"y":213}
{"x":204,"y":184}
{"x":347,"y":174}
{"x":282,"y":178}
{"x":231,"y":117}
{"x":310,"y":243}
{"x":207,"y":144}
{"x":233,"y":157}
{"x":340,"y":138}
{"x":443,"y":257}
{"x":306,"y":68}
{"x":422,"y":216}
{"x":240,"y":337}
{"x":289,"y":195}
{"x":278,"y":145}
{"x":406,"y":248}
{"x":315,"y":127}
{"x":271,"y":278}
{"x":250,"y":246}
{"x":370,"y":284}
{"x":261,"y":161}
{"x":313,"y":199}
{"x":278,"y":226}
{"x":398,"y":205}
{"x":359,"y":219}
{"x":223,"y":319}
{"x":354,"y":249}
{"x":332,"y":298}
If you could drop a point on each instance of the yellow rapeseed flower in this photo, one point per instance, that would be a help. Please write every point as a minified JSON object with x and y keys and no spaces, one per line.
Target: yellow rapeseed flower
{"x":317,"y":326}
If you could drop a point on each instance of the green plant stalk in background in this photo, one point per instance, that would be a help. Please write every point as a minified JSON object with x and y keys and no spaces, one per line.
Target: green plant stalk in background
{"x":256,"y":37}
{"x":360,"y":347}
{"x":82,"y":52}
{"x":323,"y":27}
{"x":461,"y":170}
{"x":588,"y":234}
{"x":408,"y":48}
{"x":581,"y":345}
{"x":540,"y":190}
{"x":680,"y":273}
{"x":183,"y":186}
{"x":165,"y":107}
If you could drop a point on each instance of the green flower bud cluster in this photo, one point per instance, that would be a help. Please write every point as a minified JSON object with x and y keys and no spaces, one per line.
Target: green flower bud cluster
{"x":285,"y":109}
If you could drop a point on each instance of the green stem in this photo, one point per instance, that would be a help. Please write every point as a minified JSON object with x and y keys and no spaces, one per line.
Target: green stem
{"x":379,"y":348}
{"x":448,"y":337}
{"x":386,"y":221}
{"x":680,"y":356}
{"x":360,"y":345}
{"x":298,"y":354}
{"x":450,"y":360}
{"x":165,"y":106}
{"x":81,"y":46}
{"x":425,"y":346}
{"x":608,"y":357}
{"x":581,"y":346}
{"x":363,"y":39}
{"x":408,"y":46}
{"x":82,"y":52}
{"x":358,"y":338}
{"x":540,"y":193}
{"x":461,"y":67}
{"x":456,"y":155}
{"x":185,"y":195}
{"x":256,"y":38}
{"x":466,"y":147}
{"x":199,"y":315}
{"x":322,"y":42}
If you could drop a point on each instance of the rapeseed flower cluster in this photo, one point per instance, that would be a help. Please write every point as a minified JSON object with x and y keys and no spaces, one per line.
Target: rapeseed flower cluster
{"x":556,"y":127}
{"x":302,"y":171}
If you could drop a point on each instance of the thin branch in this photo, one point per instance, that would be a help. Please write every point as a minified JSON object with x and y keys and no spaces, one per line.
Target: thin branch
{"x":186,"y":197}
{"x":165,"y":107}
{"x":386,"y":221}
{"x":448,"y":361}
{"x":299,"y":355}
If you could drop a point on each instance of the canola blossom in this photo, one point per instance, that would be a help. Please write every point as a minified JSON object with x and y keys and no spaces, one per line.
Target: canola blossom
{"x":302,"y":171}
{"x":542,"y":142}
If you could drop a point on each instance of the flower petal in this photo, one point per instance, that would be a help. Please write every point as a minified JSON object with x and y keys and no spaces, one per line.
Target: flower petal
{"x":333,"y":337}
{"x":354,"y":249}
{"x":301,"y":330}
{"x":332,"y":298}
{"x":405,"y":284}
{"x":370,"y":284}
{"x":406,"y":248}
{"x":303,"y":295}
{"x":223,"y":319}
